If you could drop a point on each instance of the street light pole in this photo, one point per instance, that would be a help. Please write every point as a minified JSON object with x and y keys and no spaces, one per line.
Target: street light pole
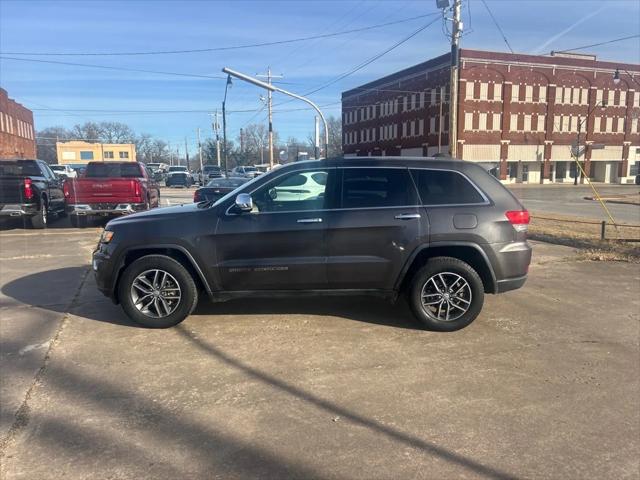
{"x":224,"y":123}
{"x":273,"y":88}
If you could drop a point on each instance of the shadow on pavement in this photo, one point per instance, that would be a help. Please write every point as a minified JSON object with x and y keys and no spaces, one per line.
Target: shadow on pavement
{"x":36,"y":290}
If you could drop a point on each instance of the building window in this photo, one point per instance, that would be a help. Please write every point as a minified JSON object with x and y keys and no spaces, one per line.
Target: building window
{"x":636,"y":99}
{"x":634,"y":124}
{"x":432,"y":124}
{"x":528,"y":93}
{"x":484,"y":90}
{"x":575,"y":96}
{"x":584,"y":99}
{"x":497,"y":91}
{"x":609,"y":128}
{"x":123,"y":154}
{"x":513,"y":124}
{"x":482,"y":123}
{"x":469,"y":94}
{"x":86,"y":155}
{"x":599,"y":96}
{"x":623,"y":98}
{"x":422,"y":94}
{"x":421,"y":127}
{"x":611,"y":97}
{"x":527,"y":123}
{"x":497,"y":119}
{"x":542,"y":94}
{"x":108,"y":154}
{"x":515,"y":92}
{"x":621,"y":125}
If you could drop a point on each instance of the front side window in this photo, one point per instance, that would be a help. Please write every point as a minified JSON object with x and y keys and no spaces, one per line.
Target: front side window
{"x":86,"y":155}
{"x":377,"y":187}
{"x":297,"y":191}
{"x":444,"y":187}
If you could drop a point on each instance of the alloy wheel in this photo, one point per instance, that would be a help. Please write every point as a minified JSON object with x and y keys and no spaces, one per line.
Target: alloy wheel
{"x":155,"y":293}
{"x":446,"y":296}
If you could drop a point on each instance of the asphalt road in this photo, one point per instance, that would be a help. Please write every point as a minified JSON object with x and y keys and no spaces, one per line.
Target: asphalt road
{"x":569,"y":200}
{"x":543,"y":385}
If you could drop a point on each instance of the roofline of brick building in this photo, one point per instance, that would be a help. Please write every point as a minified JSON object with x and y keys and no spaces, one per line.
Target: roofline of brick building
{"x":469,"y":54}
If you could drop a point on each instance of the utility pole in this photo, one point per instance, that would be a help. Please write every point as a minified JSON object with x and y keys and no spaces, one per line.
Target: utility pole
{"x":200,"y":153}
{"x":316,"y":139}
{"x":268,"y":76}
{"x":216,"y":131}
{"x":440,"y":120}
{"x":186,"y":153}
{"x":456,"y":32}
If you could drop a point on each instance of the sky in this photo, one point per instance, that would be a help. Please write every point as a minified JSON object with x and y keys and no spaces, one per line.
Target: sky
{"x":174,"y":106}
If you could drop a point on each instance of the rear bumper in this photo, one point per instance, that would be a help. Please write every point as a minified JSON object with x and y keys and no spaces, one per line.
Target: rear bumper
{"x":84,"y":209}
{"x":510,"y":284}
{"x":19,"y":210}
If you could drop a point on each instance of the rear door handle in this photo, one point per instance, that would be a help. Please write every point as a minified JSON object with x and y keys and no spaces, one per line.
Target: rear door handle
{"x":407,"y":216}
{"x":310,"y":220}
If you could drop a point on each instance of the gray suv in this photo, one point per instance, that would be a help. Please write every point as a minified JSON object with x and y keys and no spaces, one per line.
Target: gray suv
{"x":442,"y":232}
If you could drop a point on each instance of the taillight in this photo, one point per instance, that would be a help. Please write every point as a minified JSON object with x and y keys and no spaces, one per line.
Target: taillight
{"x":196,"y":196}
{"x":519,"y":219}
{"x":28,"y":190}
{"x":136,"y":188}
{"x":66,"y":189}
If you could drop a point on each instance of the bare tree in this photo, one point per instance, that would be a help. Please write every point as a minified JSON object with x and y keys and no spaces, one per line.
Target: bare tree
{"x":88,"y":131}
{"x":256,"y":140}
{"x":46,"y":142}
{"x":116,"y":132}
{"x":335,"y":138}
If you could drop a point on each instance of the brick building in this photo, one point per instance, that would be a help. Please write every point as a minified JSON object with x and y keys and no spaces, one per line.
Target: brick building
{"x":17,"y":136}
{"x":520,"y":112}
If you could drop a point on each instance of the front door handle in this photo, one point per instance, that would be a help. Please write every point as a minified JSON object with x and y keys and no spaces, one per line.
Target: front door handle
{"x":310,"y":220}
{"x":407,"y":216}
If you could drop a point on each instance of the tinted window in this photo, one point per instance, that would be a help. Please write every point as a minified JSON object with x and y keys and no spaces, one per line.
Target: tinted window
{"x":20,"y":169}
{"x":226,"y":182}
{"x":377,"y":187}
{"x":293,"y":192}
{"x":127,"y":170}
{"x":440,"y":187}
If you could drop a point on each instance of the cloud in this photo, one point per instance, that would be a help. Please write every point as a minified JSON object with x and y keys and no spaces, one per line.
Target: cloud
{"x":542,"y":47}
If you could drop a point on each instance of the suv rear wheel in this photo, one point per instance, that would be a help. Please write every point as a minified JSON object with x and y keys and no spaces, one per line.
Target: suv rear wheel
{"x":446,"y":294}
{"x":157,"y":291}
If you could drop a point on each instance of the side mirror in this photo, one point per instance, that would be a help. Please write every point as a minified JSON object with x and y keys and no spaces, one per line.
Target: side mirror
{"x":244,"y":203}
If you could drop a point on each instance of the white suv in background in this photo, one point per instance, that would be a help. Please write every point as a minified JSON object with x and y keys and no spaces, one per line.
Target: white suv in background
{"x":64,"y":171}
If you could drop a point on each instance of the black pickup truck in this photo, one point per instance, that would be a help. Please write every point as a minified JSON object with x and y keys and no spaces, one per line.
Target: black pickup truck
{"x":30,"y":190}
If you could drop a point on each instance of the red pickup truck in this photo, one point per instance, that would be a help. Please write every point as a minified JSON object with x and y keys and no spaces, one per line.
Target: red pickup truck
{"x":109,"y":189}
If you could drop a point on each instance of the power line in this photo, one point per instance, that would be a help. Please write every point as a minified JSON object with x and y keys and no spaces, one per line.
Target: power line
{"x":232,"y":47}
{"x":495,"y":22}
{"x":106,"y":67}
{"x":372,"y":59}
{"x":598,"y":44}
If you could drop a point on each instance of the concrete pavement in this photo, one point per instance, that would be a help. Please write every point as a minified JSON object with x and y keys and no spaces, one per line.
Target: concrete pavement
{"x":543,"y":385}
{"x":569,"y":200}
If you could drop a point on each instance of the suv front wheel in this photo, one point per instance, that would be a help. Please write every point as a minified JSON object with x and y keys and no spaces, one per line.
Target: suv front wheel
{"x":446,"y":294}
{"x":157,"y":291}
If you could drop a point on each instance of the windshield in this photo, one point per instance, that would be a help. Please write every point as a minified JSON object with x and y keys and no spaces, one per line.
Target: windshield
{"x":211,"y":169}
{"x":250,"y":169}
{"x":125,"y":170}
{"x":177,"y":169}
{"x":19,"y":169}
{"x":57,"y":168}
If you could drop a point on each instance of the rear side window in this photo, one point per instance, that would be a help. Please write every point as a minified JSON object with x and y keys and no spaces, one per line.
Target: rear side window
{"x":442,"y":187}
{"x":126,"y":170}
{"x":377,"y":187}
{"x":19,"y":168}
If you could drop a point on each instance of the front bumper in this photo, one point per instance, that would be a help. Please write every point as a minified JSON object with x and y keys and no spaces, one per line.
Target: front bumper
{"x":104,"y":270}
{"x":105,"y":210}
{"x":19,"y":210}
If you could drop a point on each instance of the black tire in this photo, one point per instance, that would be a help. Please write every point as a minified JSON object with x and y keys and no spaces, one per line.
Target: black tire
{"x":78,"y":221}
{"x":450,"y":268}
{"x":188,"y":291}
{"x":39,"y":220}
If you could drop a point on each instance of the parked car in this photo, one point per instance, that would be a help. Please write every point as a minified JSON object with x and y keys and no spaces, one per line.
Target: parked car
{"x":110,"y":189}
{"x":30,"y":190}
{"x":218,"y":188}
{"x":178,"y":175}
{"x":246,"y":171}
{"x":210,"y":172}
{"x":64,"y":171}
{"x":441,"y":232}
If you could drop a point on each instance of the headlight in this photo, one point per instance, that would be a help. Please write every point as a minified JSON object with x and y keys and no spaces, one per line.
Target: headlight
{"x":106,"y":236}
